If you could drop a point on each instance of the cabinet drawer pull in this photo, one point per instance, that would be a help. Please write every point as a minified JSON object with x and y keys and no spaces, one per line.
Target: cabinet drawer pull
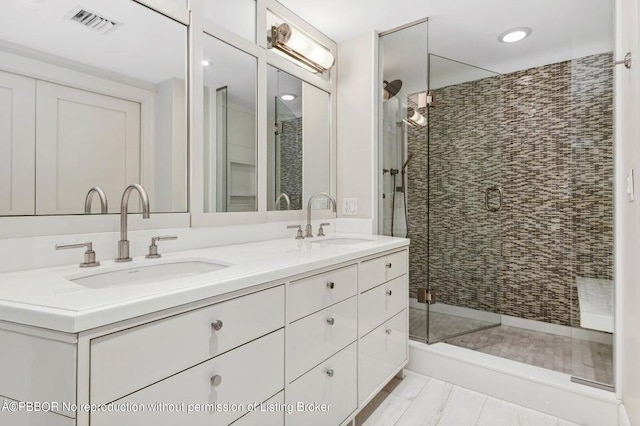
{"x":388,"y":331}
{"x":331,"y":284}
{"x":389,"y":265}
{"x":330,"y":372}
{"x":216,"y":380}
{"x":216,"y":325}
{"x":389,"y":292}
{"x":331,"y":321}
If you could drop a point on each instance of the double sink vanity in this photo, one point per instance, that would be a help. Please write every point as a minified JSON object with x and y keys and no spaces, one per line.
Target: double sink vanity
{"x":288,"y":331}
{"x":227,"y":137}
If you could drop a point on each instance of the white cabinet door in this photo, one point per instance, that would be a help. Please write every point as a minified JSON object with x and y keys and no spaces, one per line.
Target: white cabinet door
{"x":124,"y":362}
{"x":29,"y":418}
{"x":377,"y":305}
{"x":382,"y":269}
{"x":17,"y":144}
{"x":244,"y":376}
{"x":37,"y":369}
{"x":315,"y":338}
{"x":326,"y":395}
{"x":84,"y":139}
{"x":380,"y":354}
{"x":268,"y":413}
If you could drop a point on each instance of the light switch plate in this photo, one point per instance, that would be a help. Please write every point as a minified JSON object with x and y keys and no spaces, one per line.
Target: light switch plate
{"x":349,"y":206}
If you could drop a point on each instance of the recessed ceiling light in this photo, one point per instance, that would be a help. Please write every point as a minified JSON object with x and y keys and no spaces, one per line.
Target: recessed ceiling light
{"x":206,"y":63}
{"x":288,"y":97}
{"x":514,"y":34}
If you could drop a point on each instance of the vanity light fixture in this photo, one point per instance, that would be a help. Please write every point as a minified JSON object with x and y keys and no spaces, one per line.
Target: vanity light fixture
{"x":301,"y":47}
{"x":288,"y":96}
{"x":416,"y":118}
{"x":514,"y":34}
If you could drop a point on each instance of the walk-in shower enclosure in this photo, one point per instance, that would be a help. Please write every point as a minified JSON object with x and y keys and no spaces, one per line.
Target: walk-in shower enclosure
{"x":508,"y":194}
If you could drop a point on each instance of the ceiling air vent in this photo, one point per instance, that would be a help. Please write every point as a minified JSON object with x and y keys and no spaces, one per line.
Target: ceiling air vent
{"x":92,"y":20}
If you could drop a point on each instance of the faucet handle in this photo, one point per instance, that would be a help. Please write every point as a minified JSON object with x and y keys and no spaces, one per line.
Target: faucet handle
{"x":153,"y":248}
{"x":89,"y":254}
{"x":299,"y":233}
{"x":321,"y":231}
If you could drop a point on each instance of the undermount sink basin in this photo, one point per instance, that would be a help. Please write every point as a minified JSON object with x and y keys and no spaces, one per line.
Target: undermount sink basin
{"x":144,"y":274}
{"x":341,"y":241}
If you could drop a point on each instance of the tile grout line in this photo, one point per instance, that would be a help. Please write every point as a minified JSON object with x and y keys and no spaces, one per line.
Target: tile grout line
{"x":484,"y":404}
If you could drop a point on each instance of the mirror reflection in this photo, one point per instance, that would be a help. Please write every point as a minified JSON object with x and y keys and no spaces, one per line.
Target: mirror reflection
{"x":88,"y":100}
{"x":237,"y":16}
{"x":230,"y":144}
{"x":298,"y":143}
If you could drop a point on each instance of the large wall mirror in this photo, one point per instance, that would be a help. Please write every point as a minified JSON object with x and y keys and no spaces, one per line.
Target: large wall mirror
{"x":298,"y":142}
{"x":230,"y":137}
{"x":87,"y":99}
{"x":236,"y":16}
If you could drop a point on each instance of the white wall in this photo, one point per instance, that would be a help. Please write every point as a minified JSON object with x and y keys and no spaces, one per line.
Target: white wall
{"x":627,"y":156}
{"x":171,"y":149}
{"x":316,"y":139}
{"x":357,"y":113}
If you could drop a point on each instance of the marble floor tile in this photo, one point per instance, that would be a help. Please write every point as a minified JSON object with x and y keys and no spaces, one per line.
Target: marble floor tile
{"x":501,"y":413}
{"x":387,"y":410}
{"x":428,"y":406}
{"x":442,"y":404}
{"x":566,"y":423}
{"x":462,"y":409}
{"x":409,"y":387}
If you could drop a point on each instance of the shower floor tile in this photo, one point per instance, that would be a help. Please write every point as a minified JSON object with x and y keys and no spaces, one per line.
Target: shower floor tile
{"x":441,"y":325}
{"x":581,"y":358}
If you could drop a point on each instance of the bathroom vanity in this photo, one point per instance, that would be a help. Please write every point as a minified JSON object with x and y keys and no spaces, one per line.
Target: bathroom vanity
{"x":271,"y":333}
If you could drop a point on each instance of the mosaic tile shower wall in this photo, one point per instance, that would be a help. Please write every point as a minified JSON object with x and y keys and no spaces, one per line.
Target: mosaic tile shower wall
{"x":545,"y":136}
{"x":290,"y":163}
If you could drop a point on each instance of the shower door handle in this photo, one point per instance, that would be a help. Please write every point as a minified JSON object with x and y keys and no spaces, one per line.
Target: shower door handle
{"x":487,"y":192}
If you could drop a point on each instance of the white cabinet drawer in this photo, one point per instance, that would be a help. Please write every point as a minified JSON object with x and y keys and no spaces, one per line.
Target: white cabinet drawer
{"x":317,"y":387}
{"x":312,"y":294}
{"x":381,"y":303}
{"x":381,"y":269}
{"x":37,"y":369}
{"x":269,"y":413}
{"x":315,"y":338}
{"x":381,"y":352}
{"x":25,"y":418}
{"x":124,"y":362}
{"x":251,"y":373}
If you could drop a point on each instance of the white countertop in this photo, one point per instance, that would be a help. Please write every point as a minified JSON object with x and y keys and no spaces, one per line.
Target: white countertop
{"x":46,"y":298}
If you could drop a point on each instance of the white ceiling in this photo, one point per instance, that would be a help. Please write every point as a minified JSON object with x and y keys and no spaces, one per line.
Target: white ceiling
{"x":147,"y":47}
{"x":467,"y":31}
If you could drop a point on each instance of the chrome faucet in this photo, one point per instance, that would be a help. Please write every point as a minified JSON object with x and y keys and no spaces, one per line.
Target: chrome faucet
{"x":286,"y":199}
{"x":123,"y":244}
{"x":309,"y":229}
{"x":104,"y":206}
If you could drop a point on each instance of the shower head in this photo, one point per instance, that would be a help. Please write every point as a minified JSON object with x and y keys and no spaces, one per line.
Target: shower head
{"x":391,"y":88}
{"x":406,"y":162}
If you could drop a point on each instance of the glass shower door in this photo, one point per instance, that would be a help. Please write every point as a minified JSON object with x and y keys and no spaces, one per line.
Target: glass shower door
{"x":465,"y":198}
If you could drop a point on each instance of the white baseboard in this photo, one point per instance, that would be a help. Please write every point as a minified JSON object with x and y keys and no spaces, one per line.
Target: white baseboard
{"x":533,"y":387}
